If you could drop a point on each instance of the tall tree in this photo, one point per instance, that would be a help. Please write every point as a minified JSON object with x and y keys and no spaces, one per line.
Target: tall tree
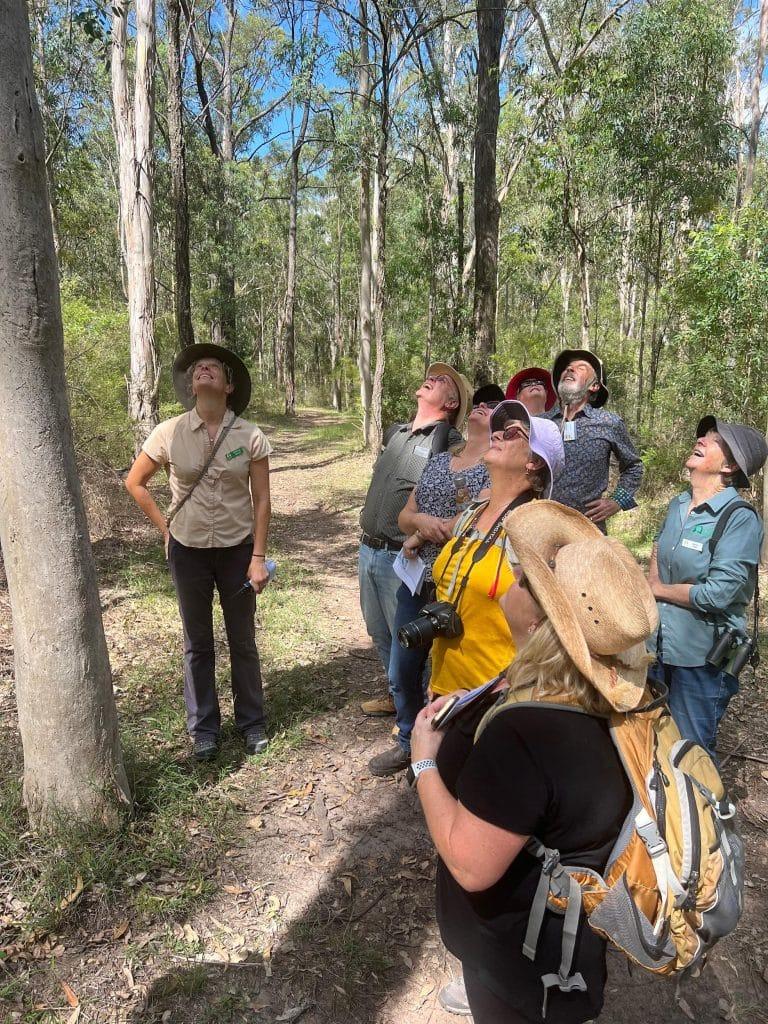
{"x":365,"y":89}
{"x":177,"y":158}
{"x":305,"y":76}
{"x":134,"y":128}
{"x":490,"y":32}
{"x":72,"y":763}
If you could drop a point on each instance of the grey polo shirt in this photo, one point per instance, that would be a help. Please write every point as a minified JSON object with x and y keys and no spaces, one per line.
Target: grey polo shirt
{"x":395,"y":473}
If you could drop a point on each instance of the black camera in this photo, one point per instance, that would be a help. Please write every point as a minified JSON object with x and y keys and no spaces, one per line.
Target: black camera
{"x":437,"y":619}
{"x":722,"y":652}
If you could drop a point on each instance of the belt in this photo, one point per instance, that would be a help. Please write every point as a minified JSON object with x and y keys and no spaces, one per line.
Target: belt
{"x":380,"y":543}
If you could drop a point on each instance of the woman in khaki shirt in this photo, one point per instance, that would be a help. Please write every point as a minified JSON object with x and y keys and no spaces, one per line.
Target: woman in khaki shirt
{"x":215,"y":533}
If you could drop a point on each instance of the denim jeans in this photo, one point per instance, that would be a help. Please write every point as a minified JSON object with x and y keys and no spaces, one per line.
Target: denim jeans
{"x":406,"y":665}
{"x":378,"y":597}
{"x":698,"y":698}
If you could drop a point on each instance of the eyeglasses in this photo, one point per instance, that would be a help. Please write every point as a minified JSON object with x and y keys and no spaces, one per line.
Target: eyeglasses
{"x":486,"y":405}
{"x":442,"y":378}
{"x":513,"y":431}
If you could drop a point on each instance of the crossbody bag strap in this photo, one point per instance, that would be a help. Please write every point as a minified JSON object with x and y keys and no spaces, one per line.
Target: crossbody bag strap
{"x":172,"y":515}
{"x":719,"y":530}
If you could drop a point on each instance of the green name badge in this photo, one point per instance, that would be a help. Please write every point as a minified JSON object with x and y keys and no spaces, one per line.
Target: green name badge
{"x":233,"y":454}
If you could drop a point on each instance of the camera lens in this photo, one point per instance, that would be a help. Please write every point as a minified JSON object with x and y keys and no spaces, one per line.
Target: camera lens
{"x":419,"y":633}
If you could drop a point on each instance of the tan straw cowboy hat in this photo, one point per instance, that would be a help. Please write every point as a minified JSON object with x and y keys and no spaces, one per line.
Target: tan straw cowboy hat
{"x":592,"y":591}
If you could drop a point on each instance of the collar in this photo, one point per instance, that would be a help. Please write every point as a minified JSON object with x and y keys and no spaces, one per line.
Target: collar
{"x":716,"y":503}
{"x":589,"y":411}
{"x":425,"y":428}
{"x":196,"y":422}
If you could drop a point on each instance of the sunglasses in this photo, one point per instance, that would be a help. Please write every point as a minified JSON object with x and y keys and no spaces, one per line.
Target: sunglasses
{"x":513,"y":431}
{"x":486,"y":405}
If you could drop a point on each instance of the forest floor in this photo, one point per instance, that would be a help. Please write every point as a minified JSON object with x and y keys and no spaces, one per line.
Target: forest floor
{"x":291,"y":886}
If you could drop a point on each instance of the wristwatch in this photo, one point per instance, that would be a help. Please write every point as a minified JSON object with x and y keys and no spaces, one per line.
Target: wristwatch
{"x":421,"y":766}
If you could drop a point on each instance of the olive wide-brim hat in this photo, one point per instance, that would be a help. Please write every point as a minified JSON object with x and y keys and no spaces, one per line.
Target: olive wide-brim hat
{"x":463,"y":389}
{"x":746,"y":444}
{"x":241,"y":379}
{"x":592,"y":591}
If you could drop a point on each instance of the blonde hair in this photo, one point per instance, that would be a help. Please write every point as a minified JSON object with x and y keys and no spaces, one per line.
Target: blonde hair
{"x":545,"y":665}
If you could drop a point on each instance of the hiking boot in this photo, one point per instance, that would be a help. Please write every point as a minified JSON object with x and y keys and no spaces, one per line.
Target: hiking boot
{"x":378,"y":707}
{"x":205,"y":748}
{"x":453,"y":998}
{"x":390,"y":762}
{"x":256,"y":742}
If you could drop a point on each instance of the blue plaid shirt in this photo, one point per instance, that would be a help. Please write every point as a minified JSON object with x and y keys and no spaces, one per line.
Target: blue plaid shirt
{"x":599,"y":434}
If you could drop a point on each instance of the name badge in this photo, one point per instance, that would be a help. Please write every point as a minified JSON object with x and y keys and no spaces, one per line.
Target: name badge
{"x":693,"y":545}
{"x":569,"y":430}
{"x":234,"y":453}
{"x":424,"y":450}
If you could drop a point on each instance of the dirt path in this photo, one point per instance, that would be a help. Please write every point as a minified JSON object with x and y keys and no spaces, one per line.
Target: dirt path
{"x":323,"y":907}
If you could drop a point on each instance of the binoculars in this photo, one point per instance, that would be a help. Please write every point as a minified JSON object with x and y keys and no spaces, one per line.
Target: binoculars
{"x":722,"y":651}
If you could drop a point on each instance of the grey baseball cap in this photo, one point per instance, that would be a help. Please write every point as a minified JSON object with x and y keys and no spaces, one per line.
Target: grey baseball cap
{"x":747,"y":446}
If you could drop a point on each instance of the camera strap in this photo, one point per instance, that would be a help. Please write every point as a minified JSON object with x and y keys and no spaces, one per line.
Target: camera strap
{"x":717,"y":533}
{"x":483,"y":547}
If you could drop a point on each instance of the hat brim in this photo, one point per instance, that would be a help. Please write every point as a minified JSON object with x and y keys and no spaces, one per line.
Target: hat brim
{"x":241,"y":378}
{"x":463,"y":388}
{"x":568,"y":355}
{"x":536,"y":532}
{"x":513,"y":409}
{"x":533,"y":373}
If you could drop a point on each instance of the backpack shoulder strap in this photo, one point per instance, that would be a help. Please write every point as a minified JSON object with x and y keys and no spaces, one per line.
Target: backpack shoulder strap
{"x":440,"y":436}
{"x":722,"y":521}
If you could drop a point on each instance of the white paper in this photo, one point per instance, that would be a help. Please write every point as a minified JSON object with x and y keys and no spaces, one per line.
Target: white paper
{"x":410,"y":570}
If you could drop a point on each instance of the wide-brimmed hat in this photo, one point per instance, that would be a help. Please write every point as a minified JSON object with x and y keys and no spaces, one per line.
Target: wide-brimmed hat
{"x":533,"y":373}
{"x":544,"y":437}
{"x":747,"y":445}
{"x":463,"y":387}
{"x":241,"y":379}
{"x":592,"y":591}
{"x":600,"y":397}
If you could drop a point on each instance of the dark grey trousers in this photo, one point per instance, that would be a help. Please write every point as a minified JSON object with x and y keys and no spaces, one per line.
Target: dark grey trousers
{"x":195,"y":572}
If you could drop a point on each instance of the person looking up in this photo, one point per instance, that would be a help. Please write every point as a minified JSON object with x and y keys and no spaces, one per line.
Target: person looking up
{"x":215,"y":534}
{"x":704,"y":590}
{"x":441,"y":405}
{"x":591,"y":435}
{"x":533,"y":387}
{"x":535,"y":771}
{"x":471,"y":572}
{"x":450,"y":482}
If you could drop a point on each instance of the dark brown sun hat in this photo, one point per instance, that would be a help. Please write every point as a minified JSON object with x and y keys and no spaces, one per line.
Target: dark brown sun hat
{"x":240,"y":397}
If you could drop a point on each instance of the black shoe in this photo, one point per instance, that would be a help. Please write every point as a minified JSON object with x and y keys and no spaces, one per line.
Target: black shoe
{"x":390,"y":762}
{"x":256,"y":741}
{"x":205,"y":748}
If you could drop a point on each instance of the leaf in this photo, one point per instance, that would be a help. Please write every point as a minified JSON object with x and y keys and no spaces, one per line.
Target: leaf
{"x":346,"y":881}
{"x":406,"y":959}
{"x":69,"y":994}
{"x":74,"y":1016}
{"x":76,"y":892}
{"x":256,"y":822}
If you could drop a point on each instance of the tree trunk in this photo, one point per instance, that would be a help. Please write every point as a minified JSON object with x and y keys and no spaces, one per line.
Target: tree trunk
{"x":380,"y":248}
{"x":134,"y":124}
{"x":73,"y":768}
{"x":490,"y":30}
{"x":337,"y":337}
{"x":289,"y":327}
{"x":756,"y":108}
{"x":42,"y":64}
{"x":178,"y":165}
{"x":366,"y":252}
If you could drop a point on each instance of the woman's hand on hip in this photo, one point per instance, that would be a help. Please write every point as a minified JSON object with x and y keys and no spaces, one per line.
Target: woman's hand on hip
{"x":425,"y":741}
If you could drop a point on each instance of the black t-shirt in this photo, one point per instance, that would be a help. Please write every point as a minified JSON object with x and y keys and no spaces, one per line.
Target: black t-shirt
{"x":535,"y":771}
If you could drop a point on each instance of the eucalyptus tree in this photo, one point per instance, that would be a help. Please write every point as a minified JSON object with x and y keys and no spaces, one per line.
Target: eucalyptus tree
{"x":73,"y":770}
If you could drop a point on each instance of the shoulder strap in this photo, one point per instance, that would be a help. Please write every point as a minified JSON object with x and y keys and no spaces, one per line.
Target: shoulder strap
{"x":172,"y":515}
{"x":722,"y":521}
{"x":389,"y":433}
{"x":440,"y":436}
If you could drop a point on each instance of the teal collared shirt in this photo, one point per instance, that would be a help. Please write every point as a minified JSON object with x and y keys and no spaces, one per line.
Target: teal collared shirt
{"x":723,"y":586}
